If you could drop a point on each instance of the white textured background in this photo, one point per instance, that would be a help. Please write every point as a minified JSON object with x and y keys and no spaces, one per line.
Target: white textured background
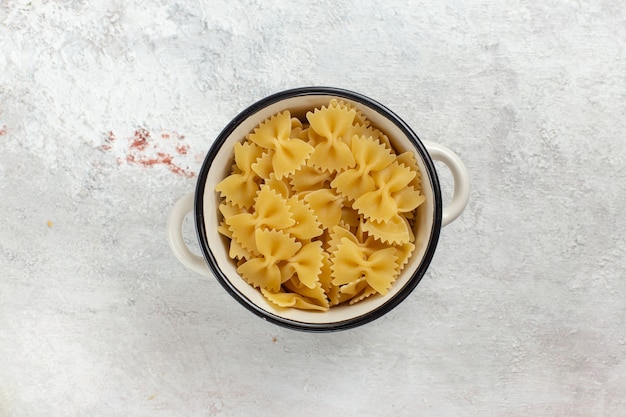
{"x":522,"y":312}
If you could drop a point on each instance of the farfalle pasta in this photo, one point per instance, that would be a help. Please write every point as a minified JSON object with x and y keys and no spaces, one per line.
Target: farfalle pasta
{"x":370,"y":156}
{"x":280,"y":134}
{"x":263,"y":271}
{"x":332,"y":125}
{"x":318,"y":211}
{"x":270,"y":212}
{"x":240,"y":187}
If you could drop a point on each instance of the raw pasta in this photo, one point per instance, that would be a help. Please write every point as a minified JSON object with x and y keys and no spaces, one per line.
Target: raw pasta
{"x":370,"y":156}
{"x":240,"y":187}
{"x":280,"y":134}
{"x":319,"y":212}
{"x":332,"y":124}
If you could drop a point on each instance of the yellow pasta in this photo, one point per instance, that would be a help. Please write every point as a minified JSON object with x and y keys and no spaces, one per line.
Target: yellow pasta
{"x":235,"y":250}
{"x":306,"y":265}
{"x":293,"y":300}
{"x":359,"y":117}
{"x":263,"y":271}
{"x":325,"y":278}
{"x":281,"y":187}
{"x":327,"y":206}
{"x":362,"y":295}
{"x":263,"y":164}
{"x":356,"y":291}
{"x":306,"y":224}
{"x":228,"y":209}
{"x":370,"y":132}
{"x":239,"y":187}
{"x":393,"y":231}
{"x":276,"y":134}
{"x":332,"y":123}
{"x":316,"y":293}
{"x":309,"y":178}
{"x":350,"y":218}
{"x":370,"y":156}
{"x":391,"y":194}
{"x":408,"y":159}
{"x":354,"y":287}
{"x":403,"y":253}
{"x":320,"y":212}
{"x":351,"y":263}
{"x":270,"y":211}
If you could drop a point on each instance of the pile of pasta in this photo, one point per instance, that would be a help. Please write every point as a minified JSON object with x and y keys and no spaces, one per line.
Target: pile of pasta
{"x":320,"y":212}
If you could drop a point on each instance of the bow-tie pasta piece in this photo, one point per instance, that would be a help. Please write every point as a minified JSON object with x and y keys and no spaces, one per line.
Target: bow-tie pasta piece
{"x":331,"y":290}
{"x":354,"y":287}
{"x":240,"y":187}
{"x":350,"y":218}
{"x":299,"y":131}
{"x":370,"y":153}
{"x":356,"y":291}
{"x":306,"y":225}
{"x":408,"y":199}
{"x":351,"y":263}
{"x":296,"y":128}
{"x":370,"y":156}
{"x":403,"y":252}
{"x":235,"y":250}
{"x":281,"y":187}
{"x":362,"y":295}
{"x":270,"y":211}
{"x":228,"y":209}
{"x":274,"y":246}
{"x":292,"y":300}
{"x":326,"y":205}
{"x":306,"y":265}
{"x":332,"y":123}
{"x":336,"y":235}
{"x":370,"y":132}
{"x":316,"y":293}
{"x":302,"y":134}
{"x":370,"y":243}
{"x":393,"y":231}
{"x":381,"y":205}
{"x":367,"y":243}
{"x":309,"y":178}
{"x":263,"y":166}
{"x":408,"y":159}
{"x":325,"y":277}
{"x":334,"y":296}
{"x":348,"y":291}
{"x":359,"y":117}
{"x":275,"y":134}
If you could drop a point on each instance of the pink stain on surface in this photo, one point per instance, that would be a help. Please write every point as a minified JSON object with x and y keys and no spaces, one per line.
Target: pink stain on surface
{"x":148,"y":149}
{"x":140,"y":140}
{"x":3,"y":130}
{"x":182,"y":149}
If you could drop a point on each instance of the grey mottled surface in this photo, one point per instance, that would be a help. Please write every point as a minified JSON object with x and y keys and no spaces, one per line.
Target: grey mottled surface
{"x":522,"y":312}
